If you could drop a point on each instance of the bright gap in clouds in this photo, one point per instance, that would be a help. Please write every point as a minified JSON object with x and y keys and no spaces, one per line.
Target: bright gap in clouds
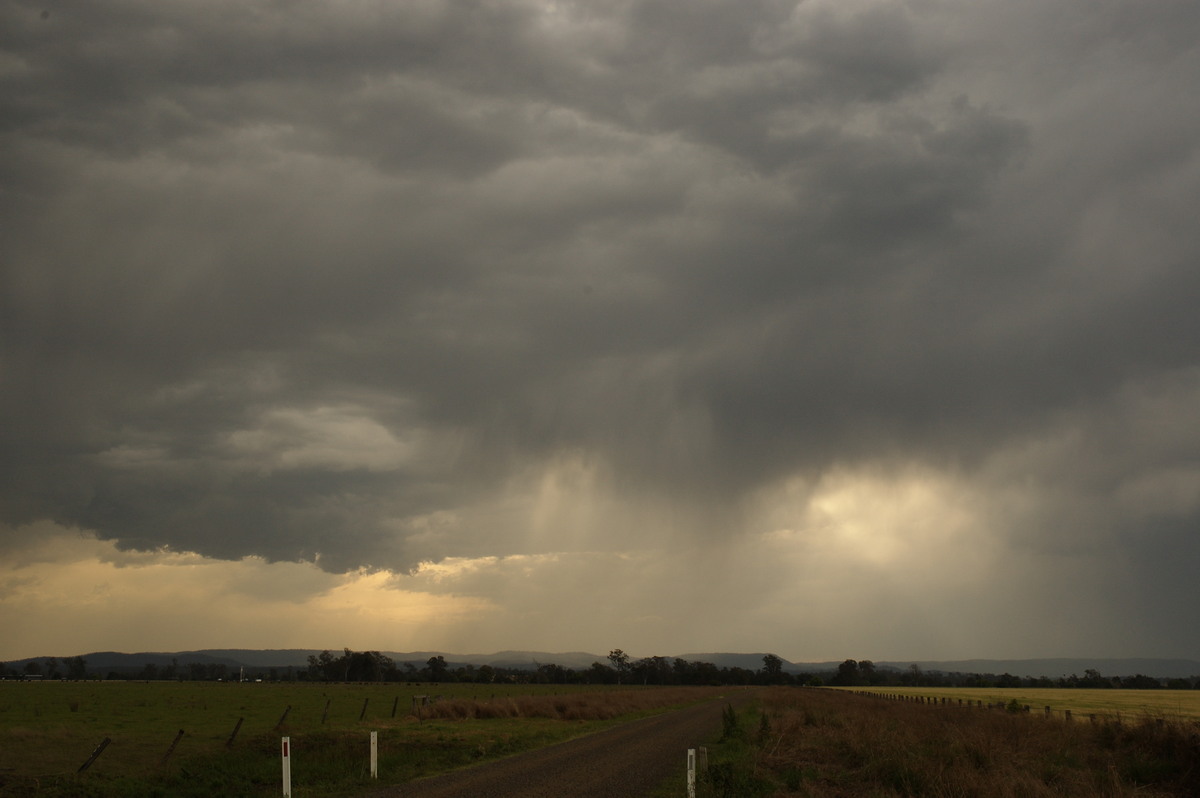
{"x":864,"y":564}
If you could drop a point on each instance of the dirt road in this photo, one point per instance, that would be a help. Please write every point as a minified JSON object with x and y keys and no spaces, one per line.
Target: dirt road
{"x":622,"y":762}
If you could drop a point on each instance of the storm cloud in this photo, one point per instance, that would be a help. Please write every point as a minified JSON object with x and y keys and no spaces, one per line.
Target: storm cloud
{"x":812,"y":295}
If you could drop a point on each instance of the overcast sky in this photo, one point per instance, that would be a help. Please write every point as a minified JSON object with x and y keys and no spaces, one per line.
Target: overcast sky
{"x":840,"y":328}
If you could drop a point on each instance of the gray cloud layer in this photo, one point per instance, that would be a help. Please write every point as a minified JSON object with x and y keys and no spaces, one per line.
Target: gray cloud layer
{"x":331,"y":280}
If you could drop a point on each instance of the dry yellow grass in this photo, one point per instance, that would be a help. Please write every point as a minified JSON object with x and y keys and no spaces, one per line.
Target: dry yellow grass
{"x":1132,"y":704}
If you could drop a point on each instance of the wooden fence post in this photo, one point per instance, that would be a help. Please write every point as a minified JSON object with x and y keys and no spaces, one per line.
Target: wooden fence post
{"x":95,"y":754}
{"x":236,"y":729}
{"x":171,"y":750}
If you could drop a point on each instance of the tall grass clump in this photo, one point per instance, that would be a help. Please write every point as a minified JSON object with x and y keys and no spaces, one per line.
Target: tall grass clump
{"x":733,"y":767}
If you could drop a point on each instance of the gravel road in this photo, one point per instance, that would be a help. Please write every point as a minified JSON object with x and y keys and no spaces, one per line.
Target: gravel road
{"x":627,"y":760}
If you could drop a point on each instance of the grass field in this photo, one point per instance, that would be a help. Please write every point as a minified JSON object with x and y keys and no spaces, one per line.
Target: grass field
{"x":830,"y":743}
{"x":49,"y":729}
{"x":1131,"y":704}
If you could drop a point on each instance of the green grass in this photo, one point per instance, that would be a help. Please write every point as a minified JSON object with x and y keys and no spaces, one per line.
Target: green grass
{"x":49,"y":729}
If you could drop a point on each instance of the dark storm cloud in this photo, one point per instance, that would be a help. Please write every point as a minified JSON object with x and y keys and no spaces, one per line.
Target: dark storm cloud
{"x":325,"y":280}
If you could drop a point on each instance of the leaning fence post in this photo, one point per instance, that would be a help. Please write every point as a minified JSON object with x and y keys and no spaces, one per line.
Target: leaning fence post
{"x":363,"y":714}
{"x":171,"y":750}
{"x":99,"y":750}
{"x":229,"y":742}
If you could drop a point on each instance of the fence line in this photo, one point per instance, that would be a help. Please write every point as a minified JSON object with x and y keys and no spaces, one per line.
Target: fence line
{"x":1011,"y":706}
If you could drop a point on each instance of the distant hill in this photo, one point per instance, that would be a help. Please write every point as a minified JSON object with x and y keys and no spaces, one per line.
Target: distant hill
{"x":753,"y":662}
{"x":1025,"y":668}
{"x":115,"y":660}
{"x":233,"y":658}
{"x":577,"y":660}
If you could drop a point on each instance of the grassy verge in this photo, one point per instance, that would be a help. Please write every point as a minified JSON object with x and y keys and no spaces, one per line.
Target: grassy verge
{"x":728,"y":762}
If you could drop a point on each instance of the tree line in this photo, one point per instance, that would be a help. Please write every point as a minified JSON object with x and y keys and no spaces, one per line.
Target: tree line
{"x":620,"y":668}
{"x":372,"y":666}
{"x":863,"y":673}
{"x":369,"y":666}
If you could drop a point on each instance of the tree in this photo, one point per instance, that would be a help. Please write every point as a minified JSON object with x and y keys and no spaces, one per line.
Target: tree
{"x":600,"y":673}
{"x":913,"y":677}
{"x":1008,"y":680}
{"x":437,"y":668}
{"x":76,"y":667}
{"x":772,"y":670}
{"x":652,"y":670}
{"x":551,"y":673}
{"x":620,"y":662}
{"x":847,"y":673}
{"x":866,"y":670}
{"x":367,"y":666}
{"x":323,"y":666}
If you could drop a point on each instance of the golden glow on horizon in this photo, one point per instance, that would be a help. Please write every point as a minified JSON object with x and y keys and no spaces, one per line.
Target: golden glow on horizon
{"x":69,"y":593}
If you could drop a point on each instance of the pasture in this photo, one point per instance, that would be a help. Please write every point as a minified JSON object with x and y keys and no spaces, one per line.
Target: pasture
{"x":835,"y":743}
{"x":48,"y":730}
{"x":1127,"y":704}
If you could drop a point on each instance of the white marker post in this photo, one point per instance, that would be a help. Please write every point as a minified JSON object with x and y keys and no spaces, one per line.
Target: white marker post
{"x":691,"y":773}
{"x":287,"y":766}
{"x":374,"y":755}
